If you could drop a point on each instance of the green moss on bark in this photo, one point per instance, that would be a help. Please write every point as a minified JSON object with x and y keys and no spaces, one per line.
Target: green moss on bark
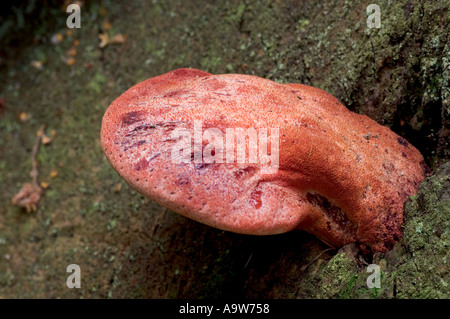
{"x":129,"y":247}
{"x":417,"y":267}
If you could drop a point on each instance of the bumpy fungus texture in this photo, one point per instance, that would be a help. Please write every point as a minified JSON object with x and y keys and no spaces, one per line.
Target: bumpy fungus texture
{"x":341,"y":176}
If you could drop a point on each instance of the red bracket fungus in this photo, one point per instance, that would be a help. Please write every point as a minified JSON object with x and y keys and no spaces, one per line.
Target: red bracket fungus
{"x":340,"y":175}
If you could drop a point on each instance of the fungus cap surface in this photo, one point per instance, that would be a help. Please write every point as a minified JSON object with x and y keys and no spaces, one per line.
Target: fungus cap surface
{"x":338,"y":175}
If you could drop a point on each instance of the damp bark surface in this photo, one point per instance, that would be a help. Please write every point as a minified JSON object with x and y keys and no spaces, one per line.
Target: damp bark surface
{"x":129,"y":247}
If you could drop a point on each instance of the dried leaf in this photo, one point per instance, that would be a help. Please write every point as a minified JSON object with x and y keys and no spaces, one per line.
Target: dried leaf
{"x":37,"y":64}
{"x":23,"y":117}
{"x":70,"y":61}
{"x":71,"y":52}
{"x":104,"y":40}
{"x":46,"y":139}
{"x":118,"y":39}
{"x":28,"y":197}
{"x":53,"y":173}
{"x":40,"y":133}
{"x":117,"y":187}
{"x":106,"y":25}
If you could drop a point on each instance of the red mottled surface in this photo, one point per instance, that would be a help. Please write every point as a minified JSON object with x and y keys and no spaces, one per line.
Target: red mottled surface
{"x":341,"y":176}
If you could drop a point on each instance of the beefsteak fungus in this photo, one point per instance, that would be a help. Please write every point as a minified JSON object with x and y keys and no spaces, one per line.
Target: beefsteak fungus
{"x":333,"y":173}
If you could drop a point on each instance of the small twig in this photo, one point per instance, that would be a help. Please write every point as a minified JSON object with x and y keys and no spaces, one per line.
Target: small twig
{"x":30,"y":194}
{"x":34,"y":171}
{"x":315,"y":259}
{"x":248,"y":260}
{"x":157,"y":222}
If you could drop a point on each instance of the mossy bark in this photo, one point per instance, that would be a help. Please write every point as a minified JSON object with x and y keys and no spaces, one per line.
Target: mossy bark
{"x":417,"y":267}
